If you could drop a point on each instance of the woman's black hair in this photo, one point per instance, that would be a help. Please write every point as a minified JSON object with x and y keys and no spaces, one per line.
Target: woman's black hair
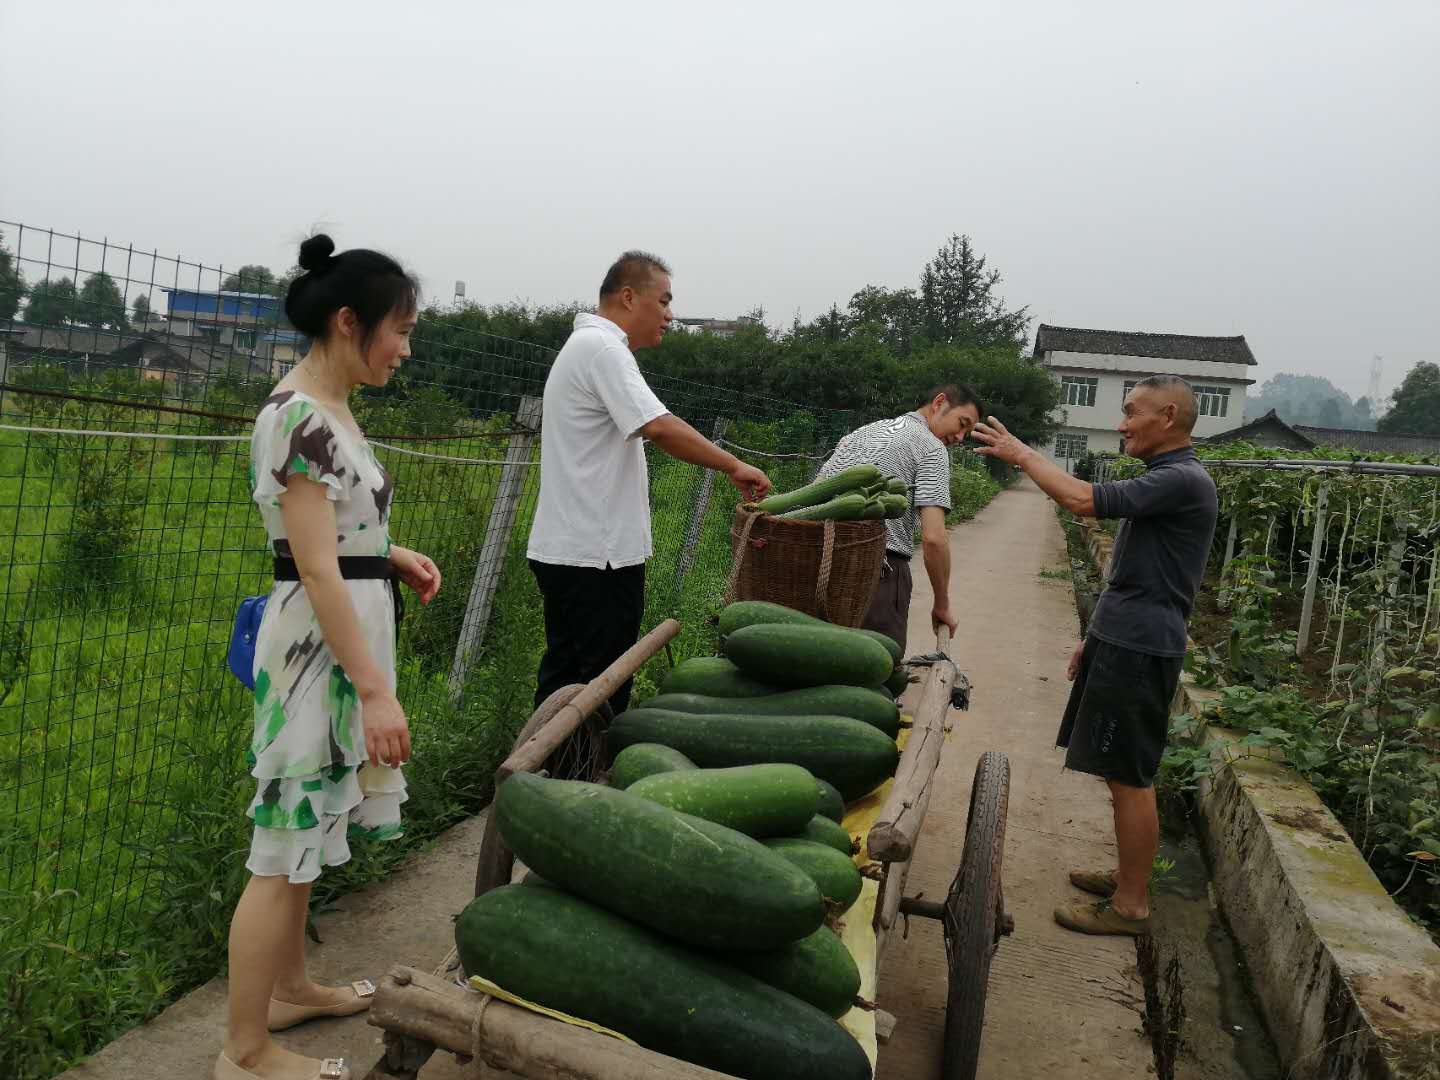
{"x":369,"y":283}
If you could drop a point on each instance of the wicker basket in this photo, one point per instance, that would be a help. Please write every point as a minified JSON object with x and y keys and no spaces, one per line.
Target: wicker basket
{"x":824,"y":568}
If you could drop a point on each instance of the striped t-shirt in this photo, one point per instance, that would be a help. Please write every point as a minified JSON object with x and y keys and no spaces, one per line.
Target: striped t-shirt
{"x":904,"y":448}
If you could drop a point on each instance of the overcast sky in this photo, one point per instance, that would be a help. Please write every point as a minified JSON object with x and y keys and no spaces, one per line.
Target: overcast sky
{"x":1264,"y":168}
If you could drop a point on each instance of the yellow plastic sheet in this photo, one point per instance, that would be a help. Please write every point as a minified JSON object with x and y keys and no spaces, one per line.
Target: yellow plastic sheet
{"x":857,"y":931}
{"x":861,"y":815}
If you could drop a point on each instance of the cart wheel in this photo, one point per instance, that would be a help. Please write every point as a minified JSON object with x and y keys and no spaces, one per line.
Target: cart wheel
{"x":975,"y":916}
{"x":580,"y":757}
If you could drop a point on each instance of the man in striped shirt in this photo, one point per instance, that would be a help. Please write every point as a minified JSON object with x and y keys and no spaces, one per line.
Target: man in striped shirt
{"x":914,"y":449}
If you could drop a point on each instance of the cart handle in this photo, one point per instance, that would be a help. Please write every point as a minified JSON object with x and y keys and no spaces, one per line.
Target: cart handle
{"x":892,"y":837}
{"x":530,"y":755}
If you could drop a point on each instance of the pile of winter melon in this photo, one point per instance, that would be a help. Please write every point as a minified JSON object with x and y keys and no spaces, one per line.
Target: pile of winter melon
{"x":859,"y":493}
{"x":691,"y":904}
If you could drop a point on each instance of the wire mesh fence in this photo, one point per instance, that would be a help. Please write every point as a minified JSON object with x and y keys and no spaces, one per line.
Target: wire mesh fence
{"x":129,"y":538}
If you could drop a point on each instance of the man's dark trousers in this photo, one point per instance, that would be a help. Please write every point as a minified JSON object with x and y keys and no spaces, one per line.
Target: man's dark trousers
{"x":591,"y":617}
{"x":889,"y":610}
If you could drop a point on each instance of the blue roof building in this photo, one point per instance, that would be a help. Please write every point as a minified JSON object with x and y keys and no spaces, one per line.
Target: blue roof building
{"x":224,"y":308}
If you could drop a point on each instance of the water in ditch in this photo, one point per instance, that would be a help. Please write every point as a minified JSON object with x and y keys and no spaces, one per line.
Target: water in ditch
{"x":1223,"y":1035}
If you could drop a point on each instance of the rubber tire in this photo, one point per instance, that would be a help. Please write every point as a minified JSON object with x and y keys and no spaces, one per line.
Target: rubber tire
{"x":974,"y":915}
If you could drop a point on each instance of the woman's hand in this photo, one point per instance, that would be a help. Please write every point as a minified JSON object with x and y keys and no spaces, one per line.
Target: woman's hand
{"x":387,"y":733}
{"x":416,"y":571}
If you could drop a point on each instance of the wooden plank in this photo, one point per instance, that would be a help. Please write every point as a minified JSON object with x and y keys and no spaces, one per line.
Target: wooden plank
{"x":887,"y":909}
{"x":531,"y":756}
{"x":892,"y":837}
{"x":418,"y":1006}
{"x":497,"y":541}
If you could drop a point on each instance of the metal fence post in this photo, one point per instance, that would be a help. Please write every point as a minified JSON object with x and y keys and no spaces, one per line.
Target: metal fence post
{"x":1312,"y":573}
{"x":497,"y":541}
{"x":697,"y":515}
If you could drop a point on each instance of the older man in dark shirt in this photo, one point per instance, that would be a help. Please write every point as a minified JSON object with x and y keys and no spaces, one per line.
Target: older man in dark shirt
{"x":1126,"y":670}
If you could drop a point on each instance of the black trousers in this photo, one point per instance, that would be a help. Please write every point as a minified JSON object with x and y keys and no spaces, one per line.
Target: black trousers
{"x":591,"y":617}
{"x":889,"y":610}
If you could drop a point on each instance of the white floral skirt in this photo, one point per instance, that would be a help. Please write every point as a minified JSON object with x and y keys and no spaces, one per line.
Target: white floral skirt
{"x":313,"y":784}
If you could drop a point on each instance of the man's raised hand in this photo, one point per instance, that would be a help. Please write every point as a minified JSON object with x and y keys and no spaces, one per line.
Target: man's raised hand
{"x":997,"y":442}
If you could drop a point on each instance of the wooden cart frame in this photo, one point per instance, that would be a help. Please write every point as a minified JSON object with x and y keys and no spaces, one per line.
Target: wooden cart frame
{"x":420,"y":1013}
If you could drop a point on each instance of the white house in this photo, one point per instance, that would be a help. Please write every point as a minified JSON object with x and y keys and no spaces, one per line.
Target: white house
{"x":1097,"y":368}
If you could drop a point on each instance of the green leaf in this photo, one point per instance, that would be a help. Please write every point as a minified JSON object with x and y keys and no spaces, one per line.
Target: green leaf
{"x":1399,"y":672}
{"x":1430,"y":719}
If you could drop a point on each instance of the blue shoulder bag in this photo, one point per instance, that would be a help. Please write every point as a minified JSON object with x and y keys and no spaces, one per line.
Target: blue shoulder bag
{"x":252,"y":608}
{"x":242,"y":638}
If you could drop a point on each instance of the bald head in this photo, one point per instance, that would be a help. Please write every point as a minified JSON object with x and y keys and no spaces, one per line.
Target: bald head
{"x":1159,"y":415}
{"x":1171,"y":389}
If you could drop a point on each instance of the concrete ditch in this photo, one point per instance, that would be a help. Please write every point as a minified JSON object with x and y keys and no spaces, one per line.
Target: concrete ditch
{"x":1350,"y":986}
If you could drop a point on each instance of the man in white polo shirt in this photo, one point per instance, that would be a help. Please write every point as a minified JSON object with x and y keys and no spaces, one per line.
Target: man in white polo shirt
{"x":591,"y":534}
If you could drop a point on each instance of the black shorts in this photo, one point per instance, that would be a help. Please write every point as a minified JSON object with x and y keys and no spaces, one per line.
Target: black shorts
{"x":1119,"y":713}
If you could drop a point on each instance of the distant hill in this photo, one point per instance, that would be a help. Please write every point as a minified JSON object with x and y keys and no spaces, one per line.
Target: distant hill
{"x":1311,"y":400}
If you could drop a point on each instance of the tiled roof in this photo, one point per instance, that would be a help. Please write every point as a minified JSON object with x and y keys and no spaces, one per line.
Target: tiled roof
{"x":1220,"y":350}
{"x":1362,"y":442}
{"x":1380,"y":442}
{"x":1242,"y":433}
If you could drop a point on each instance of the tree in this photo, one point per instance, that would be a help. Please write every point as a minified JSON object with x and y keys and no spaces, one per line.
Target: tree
{"x":252,"y":278}
{"x":101,"y":304}
{"x":1023,"y":394}
{"x":1415,"y":405}
{"x":958,"y":302}
{"x":1310,"y":399}
{"x":12,"y":283}
{"x":52,"y":303}
{"x":141,"y":307}
{"x":282,"y":284}
{"x":894,"y":316}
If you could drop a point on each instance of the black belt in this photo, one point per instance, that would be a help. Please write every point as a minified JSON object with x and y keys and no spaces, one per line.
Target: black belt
{"x":352,"y":568}
{"x":896,"y":555}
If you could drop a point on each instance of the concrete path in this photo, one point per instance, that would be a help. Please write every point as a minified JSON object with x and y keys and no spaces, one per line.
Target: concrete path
{"x":1060,"y":1004}
{"x":405,"y":919}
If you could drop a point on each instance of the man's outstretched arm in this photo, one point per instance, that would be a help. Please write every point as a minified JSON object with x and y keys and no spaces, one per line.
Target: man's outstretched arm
{"x":680,"y":440}
{"x":1074,"y":494}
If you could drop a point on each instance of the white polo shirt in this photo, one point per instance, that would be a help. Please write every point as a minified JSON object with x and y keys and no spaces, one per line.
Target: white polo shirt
{"x":594,"y":507}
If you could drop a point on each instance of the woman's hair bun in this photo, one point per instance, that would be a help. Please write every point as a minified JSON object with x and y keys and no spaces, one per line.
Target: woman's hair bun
{"x":315,"y":253}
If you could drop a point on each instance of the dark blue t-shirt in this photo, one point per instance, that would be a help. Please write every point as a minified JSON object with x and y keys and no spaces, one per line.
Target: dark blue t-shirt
{"x":1160,"y":553}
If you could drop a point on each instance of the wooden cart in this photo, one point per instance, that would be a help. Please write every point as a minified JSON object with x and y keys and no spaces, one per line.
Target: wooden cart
{"x":422,"y":1012}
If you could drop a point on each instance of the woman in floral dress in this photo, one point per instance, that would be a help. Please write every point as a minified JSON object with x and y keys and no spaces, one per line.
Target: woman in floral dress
{"x":330,"y":736}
